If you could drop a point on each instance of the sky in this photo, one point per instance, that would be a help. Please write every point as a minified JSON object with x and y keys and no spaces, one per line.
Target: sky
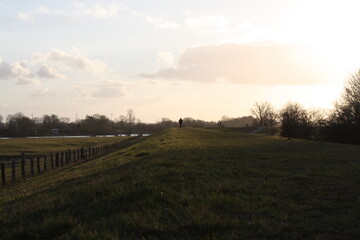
{"x":172,"y":59}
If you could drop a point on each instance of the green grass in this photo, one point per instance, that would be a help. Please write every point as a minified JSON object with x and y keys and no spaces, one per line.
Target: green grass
{"x":194,"y":184}
{"x":15,"y":146}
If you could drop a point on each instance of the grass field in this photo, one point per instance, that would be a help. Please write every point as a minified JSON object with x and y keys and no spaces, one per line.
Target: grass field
{"x":15,"y":146}
{"x":194,"y":184}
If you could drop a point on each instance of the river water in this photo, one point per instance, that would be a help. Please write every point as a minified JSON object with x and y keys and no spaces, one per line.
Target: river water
{"x":83,"y":136}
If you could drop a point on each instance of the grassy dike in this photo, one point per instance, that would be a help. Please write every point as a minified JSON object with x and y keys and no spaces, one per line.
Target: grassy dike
{"x":194,"y":184}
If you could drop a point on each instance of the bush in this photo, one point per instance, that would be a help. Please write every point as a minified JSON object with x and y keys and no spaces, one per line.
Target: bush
{"x":295,"y":122}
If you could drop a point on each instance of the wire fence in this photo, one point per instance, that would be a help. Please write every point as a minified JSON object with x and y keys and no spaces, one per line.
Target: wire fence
{"x":17,"y":167}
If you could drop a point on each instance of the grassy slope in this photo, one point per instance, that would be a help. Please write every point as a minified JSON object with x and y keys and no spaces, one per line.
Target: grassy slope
{"x":40,"y":145}
{"x":194,"y":183}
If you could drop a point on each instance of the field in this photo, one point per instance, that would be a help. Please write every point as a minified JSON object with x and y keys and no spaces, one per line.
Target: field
{"x":194,"y":184}
{"x":15,"y":146}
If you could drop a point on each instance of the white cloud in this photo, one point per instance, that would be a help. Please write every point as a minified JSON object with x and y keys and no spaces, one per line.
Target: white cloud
{"x":30,"y":16}
{"x":162,"y":22}
{"x":43,"y":10}
{"x":165,"y":58}
{"x":98,"y":10}
{"x":25,"y":16}
{"x":82,"y":91}
{"x":109,"y":92}
{"x":40,"y":92}
{"x":206,"y":24}
{"x":73,"y":61}
{"x":105,"y":89}
{"x":212,"y":21}
{"x":18,"y":71}
{"x":50,"y":72}
{"x":5,"y":70}
{"x":268,"y":64}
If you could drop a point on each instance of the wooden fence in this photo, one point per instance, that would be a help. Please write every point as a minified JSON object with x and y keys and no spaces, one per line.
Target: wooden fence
{"x":16,"y":167}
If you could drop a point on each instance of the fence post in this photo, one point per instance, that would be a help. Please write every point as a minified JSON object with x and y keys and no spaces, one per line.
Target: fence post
{"x":66,"y":157}
{"x":3,"y":174}
{"x":13,"y":171}
{"x":32,"y":166}
{"x":23,"y":175}
{"x":62,"y":159}
{"x":89,"y":150}
{"x":38,"y":164}
{"x":57,"y":160}
{"x":52,"y":160}
{"x":82,"y":153}
{"x":69,"y":154}
{"x":44,"y":163}
{"x":74,"y":154}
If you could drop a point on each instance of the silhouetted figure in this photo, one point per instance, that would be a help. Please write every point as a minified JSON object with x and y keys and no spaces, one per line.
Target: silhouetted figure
{"x":180,"y":122}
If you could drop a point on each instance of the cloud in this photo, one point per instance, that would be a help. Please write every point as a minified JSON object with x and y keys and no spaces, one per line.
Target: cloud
{"x":82,"y":91}
{"x":18,"y":71}
{"x":109,"y":92}
{"x":5,"y":70}
{"x":165,"y":58}
{"x":43,"y":10}
{"x":98,"y":10}
{"x":162,"y":22}
{"x":267,"y":63}
{"x":206,"y":21}
{"x":206,"y":24}
{"x":30,"y":15}
{"x":106,"y":89}
{"x":26,"y":17}
{"x":40,"y":92}
{"x":49,"y":72}
{"x":73,"y":61}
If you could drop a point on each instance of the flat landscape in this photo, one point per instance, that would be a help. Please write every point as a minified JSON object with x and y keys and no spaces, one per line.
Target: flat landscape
{"x":194,"y":184}
{"x":15,"y":146}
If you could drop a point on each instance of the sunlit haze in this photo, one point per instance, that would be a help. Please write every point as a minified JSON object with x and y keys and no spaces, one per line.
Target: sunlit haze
{"x":199,"y":59}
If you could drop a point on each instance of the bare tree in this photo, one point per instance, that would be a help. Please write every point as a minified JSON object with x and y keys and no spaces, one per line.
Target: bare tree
{"x":1,"y":125}
{"x":343,"y":125}
{"x":265,"y":114}
{"x":130,"y":117}
{"x":128,"y":121}
{"x":351,"y":98}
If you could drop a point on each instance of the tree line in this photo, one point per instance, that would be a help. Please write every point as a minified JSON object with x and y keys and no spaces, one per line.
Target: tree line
{"x":20,"y":125}
{"x":340,"y":124}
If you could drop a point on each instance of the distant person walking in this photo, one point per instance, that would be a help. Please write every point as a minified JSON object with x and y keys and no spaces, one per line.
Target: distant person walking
{"x":180,"y":122}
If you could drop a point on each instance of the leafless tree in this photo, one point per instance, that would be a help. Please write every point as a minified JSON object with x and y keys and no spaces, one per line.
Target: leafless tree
{"x":343,"y":125}
{"x":350,"y":104}
{"x":295,"y":121}
{"x":128,"y":121}
{"x":265,"y":114}
{"x":130,"y":117}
